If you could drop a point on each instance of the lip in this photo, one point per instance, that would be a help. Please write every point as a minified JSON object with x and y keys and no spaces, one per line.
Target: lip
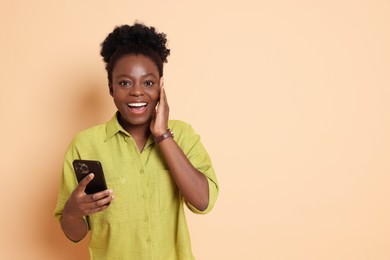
{"x":137,"y":108}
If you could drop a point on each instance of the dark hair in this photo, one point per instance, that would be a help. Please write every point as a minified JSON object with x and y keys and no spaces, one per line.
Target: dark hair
{"x":135,"y":39}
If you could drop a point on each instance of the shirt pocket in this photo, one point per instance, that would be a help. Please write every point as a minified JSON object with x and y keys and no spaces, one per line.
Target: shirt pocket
{"x":168,"y":191}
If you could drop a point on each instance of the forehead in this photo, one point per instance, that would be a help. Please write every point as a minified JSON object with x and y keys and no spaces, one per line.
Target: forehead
{"x":135,"y":63}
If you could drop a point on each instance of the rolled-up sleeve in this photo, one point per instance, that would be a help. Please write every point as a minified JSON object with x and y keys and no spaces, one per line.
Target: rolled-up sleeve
{"x":68,"y":183}
{"x":191,"y":145}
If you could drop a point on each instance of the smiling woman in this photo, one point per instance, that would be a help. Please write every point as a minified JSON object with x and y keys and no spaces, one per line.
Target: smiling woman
{"x":135,"y":88}
{"x":150,"y":173}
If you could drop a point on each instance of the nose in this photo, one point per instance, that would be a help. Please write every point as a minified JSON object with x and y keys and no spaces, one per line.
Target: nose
{"x":136,"y":90}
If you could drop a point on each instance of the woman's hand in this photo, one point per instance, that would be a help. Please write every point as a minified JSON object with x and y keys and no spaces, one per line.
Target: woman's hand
{"x":81,"y":204}
{"x":159,"y":123}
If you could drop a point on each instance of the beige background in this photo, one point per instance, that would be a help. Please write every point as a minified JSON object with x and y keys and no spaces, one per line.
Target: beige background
{"x":291,"y":99}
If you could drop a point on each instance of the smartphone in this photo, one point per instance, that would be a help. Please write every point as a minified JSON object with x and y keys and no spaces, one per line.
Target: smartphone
{"x":84,"y":167}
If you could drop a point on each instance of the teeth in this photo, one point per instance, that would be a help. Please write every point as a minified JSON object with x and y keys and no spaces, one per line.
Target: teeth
{"x":136,"y":104}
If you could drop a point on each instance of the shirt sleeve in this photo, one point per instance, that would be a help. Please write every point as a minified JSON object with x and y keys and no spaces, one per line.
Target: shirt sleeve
{"x":68,"y":183}
{"x":191,"y":145}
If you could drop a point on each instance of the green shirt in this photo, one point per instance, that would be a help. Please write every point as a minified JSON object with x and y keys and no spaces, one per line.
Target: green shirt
{"x":146,"y":220}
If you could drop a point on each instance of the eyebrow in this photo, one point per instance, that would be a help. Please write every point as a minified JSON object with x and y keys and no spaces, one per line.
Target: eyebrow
{"x":144,"y":76}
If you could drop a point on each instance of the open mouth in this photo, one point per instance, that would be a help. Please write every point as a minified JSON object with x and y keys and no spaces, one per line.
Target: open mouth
{"x":137,"y":107}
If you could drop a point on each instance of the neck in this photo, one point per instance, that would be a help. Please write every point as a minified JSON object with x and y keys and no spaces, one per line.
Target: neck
{"x":140,"y":133}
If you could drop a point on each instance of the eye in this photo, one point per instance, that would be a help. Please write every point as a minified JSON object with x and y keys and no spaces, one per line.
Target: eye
{"x":149,"y":83}
{"x":124,"y":83}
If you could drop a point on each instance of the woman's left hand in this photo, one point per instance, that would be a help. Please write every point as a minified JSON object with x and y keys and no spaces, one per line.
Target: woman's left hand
{"x":159,"y":123}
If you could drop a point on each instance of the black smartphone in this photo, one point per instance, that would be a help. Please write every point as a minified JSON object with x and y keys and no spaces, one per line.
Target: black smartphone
{"x":84,"y":167}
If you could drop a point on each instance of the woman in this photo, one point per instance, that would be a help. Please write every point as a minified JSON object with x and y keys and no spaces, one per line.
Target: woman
{"x":150,"y":172}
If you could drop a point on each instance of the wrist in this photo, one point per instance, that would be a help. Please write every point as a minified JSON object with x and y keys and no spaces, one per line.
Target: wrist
{"x":69,"y":215}
{"x":159,"y":133}
{"x":158,"y":138}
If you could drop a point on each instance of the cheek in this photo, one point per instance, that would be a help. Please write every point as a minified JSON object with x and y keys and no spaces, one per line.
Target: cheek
{"x":118,"y":93}
{"x":154,"y":95}
{"x":117,"y":98}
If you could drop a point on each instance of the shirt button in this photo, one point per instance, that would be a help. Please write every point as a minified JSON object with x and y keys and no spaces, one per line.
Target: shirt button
{"x":148,"y":240}
{"x":146,"y":219}
{"x":141,"y":171}
{"x":143,"y":196}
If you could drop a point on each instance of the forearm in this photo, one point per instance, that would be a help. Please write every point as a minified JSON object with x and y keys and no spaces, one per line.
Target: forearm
{"x":74,"y":228}
{"x":81,"y":204}
{"x":193,"y":185}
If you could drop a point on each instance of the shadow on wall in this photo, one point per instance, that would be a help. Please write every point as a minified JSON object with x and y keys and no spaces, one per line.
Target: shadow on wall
{"x":82,"y":106}
{"x":91,"y":105}
{"x":54,"y":241}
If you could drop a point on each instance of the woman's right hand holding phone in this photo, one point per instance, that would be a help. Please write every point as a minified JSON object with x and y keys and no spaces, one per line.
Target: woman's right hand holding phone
{"x":81,"y":204}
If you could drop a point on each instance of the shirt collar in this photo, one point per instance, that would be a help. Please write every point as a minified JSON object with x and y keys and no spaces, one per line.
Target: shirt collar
{"x":113,"y":127}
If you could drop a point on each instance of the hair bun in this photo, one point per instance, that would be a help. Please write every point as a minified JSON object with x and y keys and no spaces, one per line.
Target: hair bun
{"x":137,"y":34}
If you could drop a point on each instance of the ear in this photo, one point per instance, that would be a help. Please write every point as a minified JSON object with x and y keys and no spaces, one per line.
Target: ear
{"x":110,"y":90}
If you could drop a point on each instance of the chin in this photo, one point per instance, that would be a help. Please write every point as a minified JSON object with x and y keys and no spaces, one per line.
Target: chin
{"x":131,"y":121}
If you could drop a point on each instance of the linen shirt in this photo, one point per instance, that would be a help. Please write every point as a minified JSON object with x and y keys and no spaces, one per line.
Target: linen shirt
{"x":146,"y":220}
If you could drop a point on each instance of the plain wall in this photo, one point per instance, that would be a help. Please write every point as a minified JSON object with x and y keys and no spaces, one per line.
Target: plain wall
{"x":291,"y":99}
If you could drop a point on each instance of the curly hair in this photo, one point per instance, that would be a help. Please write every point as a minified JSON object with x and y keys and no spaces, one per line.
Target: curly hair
{"x":135,"y":39}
